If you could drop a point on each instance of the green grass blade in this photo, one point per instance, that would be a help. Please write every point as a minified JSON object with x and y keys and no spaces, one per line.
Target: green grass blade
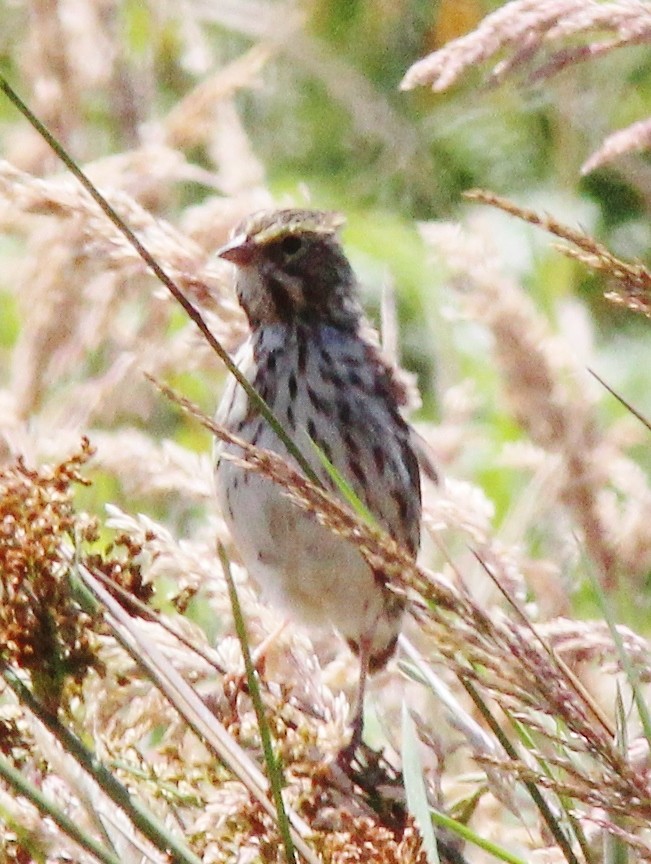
{"x":625,"y":660}
{"x":160,"y":274}
{"x":565,"y":802}
{"x":344,"y":488}
{"x":461,"y":830}
{"x":140,"y":817}
{"x":49,"y":809}
{"x":415,"y":790}
{"x":192,"y":708}
{"x":545,"y":811}
{"x":274,"y":769}
{"x":615,"y":849}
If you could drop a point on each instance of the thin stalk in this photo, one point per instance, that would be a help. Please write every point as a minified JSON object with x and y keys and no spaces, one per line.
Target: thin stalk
{"x":643,"y":420}
{"x":545,"y":811}
{"x":191,"y":707}
{"x":562,"y":667}
{"x":625,"y":660}
{"x":140,"y":817}
{"x":50,"y":810}
{"x":445,"y":821}
{"x":274,"y":768}
{"x":158,"y":271}
{"x":566,"y":803}
{"x":345,"y":489}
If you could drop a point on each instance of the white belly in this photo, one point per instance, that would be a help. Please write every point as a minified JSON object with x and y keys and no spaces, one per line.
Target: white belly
{"x":298,"y":564}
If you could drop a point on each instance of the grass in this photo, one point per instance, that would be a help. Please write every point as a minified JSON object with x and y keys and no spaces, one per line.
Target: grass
{"x":544,"y":502}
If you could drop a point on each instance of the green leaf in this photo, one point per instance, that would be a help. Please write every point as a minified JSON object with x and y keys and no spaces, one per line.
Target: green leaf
{"x":272,"y":762}
{"x":344,"y":488}
{"x":415,"y":786}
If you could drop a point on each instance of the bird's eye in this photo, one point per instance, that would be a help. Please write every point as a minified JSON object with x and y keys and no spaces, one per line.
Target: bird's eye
{"x":291,"y":244}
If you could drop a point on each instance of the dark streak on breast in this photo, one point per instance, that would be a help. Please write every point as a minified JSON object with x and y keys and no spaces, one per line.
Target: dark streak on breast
{"x":302,"y":352}
{"x":292,"y":386}
{"x":351,"y":445}
{"x":401,"y":501}
{"x":343,"y":412}
{"x":378,"y":458}
{"x":320,"y":405}
{"x":356,"y":470}
{"x":311,"y":430}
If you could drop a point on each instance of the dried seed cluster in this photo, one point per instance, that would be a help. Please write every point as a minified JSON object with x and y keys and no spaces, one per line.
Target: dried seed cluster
{"x":42,"y":627}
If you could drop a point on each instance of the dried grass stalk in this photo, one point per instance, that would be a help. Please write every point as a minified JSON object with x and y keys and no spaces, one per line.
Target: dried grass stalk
{"x":517,"y":668}
{"x":523,"y":37}
{"x":557,"y":418}
{"x":634,"y":278}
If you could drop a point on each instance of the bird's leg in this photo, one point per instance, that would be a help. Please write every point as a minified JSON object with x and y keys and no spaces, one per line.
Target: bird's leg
{"x":347,"y":754}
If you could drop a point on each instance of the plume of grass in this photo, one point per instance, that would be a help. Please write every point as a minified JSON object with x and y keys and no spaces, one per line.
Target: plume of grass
{"x":497,"y":654}
{"x":523,"y":32}
{"x":538,"y":41}
{"x":558,"y":419}
{"x":565,"y":755}
{"x":49,"y":809}
{"x":129,"y":633}
{"x":632,"y":278}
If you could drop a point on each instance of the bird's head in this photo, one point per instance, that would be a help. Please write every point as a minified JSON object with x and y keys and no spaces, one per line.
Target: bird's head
{"x":291,"y":268}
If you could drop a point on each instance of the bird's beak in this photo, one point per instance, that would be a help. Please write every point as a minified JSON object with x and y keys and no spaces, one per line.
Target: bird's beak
{"x":240,"y":250}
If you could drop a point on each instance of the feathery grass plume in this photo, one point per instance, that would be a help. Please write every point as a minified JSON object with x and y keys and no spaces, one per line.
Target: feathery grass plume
{"x":184,"y":260}
{"x":590,"y":641}
{"x":524,"y":32}
{"x":634,"y":279}
{"x":631,"y":139}
{"x":556,"y":418}
{"x":520,"y":672}
{"x":190,"y":121}
{"x":539,"y":40}
{"x":154,"y":468}
{"x":619,"y":522}
{"x":79,"y":280}
{"x":38,"y":522}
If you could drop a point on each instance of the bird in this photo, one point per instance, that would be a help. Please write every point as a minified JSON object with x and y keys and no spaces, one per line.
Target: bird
{"x":309,"y":357}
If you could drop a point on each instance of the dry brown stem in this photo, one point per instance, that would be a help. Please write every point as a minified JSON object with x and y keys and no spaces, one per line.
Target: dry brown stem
{"x":634,"y":278}
{"x":516,"y":668}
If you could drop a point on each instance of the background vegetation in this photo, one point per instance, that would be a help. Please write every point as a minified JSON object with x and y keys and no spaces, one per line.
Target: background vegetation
{"x":189,"y":116}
